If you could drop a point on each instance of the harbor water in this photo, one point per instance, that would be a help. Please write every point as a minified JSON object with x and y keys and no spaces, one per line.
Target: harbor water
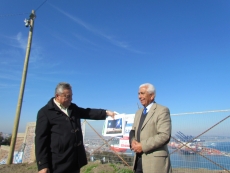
{"x":196,"y":161}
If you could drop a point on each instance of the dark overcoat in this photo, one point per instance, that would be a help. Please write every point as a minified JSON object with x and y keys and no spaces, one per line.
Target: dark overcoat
{"x":58,"y":138}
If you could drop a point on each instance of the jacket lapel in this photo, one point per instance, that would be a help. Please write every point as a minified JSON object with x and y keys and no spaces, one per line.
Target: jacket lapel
{"x":139,"y":113}
{"x":149,"y":114}
{"x":52,"y":106}
{"x":70,"y":109}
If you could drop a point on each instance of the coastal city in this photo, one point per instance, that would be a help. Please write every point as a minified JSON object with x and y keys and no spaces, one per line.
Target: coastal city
{"x":114,"y":86}
{"x":181,"y":148}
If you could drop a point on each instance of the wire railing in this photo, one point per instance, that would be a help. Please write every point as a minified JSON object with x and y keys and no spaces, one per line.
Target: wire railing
{"x":200,"y":141}
{"x":204,"y":128}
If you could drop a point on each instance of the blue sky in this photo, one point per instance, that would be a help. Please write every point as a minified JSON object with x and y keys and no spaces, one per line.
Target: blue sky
{"x":106,"y":49}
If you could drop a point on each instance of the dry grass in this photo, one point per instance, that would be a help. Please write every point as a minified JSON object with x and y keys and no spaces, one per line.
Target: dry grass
{"x":95,"y":167}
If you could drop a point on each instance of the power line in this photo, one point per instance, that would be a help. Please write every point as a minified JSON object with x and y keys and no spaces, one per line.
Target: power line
{"x":10,"y":15}
{"x":203,"y":112}
{"x":18,"y":14}
{"x":41,"y":5}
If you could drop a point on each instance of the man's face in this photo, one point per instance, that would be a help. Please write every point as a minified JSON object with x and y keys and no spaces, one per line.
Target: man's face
{"x":144,"y":97}
{"x":64,"y":98}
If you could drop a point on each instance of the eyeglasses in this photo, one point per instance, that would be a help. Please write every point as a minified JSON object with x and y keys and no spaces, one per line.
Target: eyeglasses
{"x":66,"y":96}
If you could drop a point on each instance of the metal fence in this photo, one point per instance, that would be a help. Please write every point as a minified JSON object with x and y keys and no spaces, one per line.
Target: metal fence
{"x":200,"y":142}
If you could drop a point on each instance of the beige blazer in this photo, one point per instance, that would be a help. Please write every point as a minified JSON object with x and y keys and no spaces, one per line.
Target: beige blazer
{"x":154,"y":136}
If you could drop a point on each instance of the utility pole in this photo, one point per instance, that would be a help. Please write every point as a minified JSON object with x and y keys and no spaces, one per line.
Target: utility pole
{"x":30,"y":23}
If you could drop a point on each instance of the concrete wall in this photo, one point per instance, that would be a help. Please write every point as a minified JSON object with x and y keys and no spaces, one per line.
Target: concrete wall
{"x":25,"y":143}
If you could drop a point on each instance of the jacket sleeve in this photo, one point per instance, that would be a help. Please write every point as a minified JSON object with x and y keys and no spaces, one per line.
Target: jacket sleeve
{"x":89,"y":113}
{"x":42,"y":140}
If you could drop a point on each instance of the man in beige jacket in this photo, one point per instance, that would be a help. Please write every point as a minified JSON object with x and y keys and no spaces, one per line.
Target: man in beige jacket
{"x":150,"y":134}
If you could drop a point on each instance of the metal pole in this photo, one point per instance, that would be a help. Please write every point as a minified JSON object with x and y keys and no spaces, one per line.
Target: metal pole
{"x":20,"y":98}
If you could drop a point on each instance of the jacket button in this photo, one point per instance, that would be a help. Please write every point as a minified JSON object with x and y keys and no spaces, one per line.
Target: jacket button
{"x":74,"y":130}
{"x":79,"y":143}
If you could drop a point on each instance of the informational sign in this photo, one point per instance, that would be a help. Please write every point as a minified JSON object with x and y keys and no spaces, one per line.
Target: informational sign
{"x":2,"y":162}
{"x":17,"y":157}
{"x":128,"y":121}
{"x":119,"y":127}
{"x":114,"y":127}
{"x":124,"y":142}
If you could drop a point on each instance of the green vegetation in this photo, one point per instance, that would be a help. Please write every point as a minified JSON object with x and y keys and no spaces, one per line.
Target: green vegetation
{"x":6,"y":140}
{"x":89,"y":168}
{"x":117,"y":169}
{"x":105,"y":168}
{"x":32,"y":167}
{"x":95,"y":167}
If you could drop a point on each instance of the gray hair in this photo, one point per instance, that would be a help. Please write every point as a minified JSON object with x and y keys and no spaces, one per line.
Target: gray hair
{"x":150,"y":88}
{"x":61,"y":86}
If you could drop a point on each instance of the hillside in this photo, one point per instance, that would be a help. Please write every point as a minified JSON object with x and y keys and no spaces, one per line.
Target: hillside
{"x":94,"y":167}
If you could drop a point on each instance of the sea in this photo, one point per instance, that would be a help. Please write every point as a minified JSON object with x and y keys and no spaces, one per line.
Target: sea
{"x":196,"y":161}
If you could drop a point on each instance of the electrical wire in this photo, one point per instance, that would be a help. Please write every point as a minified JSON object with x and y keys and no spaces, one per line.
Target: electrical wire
{"x":10,"y":15}
{"x":18,"y":14}
{"x":41,"y":5}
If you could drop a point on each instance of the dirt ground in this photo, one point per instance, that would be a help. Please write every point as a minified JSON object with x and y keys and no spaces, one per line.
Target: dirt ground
{"x":95,"y":168}
{"x":90,"y":168}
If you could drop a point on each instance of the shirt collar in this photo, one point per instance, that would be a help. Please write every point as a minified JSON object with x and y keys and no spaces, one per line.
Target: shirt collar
{"x":60,"y":105}
{"x":148,"y":107}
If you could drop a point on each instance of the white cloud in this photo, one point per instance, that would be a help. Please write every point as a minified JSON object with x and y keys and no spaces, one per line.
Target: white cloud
{"x":84,"y":39}
{"x":21,"y":41}
{"x":7,"y":86}
{"x":90,"y":28}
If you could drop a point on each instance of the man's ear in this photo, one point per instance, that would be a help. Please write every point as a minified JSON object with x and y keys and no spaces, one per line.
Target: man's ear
{"x":56,"y":95}
{"x":152,"y":96}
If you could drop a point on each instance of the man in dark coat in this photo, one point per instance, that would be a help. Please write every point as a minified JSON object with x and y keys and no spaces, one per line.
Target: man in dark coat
{"x":59,"y":142}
